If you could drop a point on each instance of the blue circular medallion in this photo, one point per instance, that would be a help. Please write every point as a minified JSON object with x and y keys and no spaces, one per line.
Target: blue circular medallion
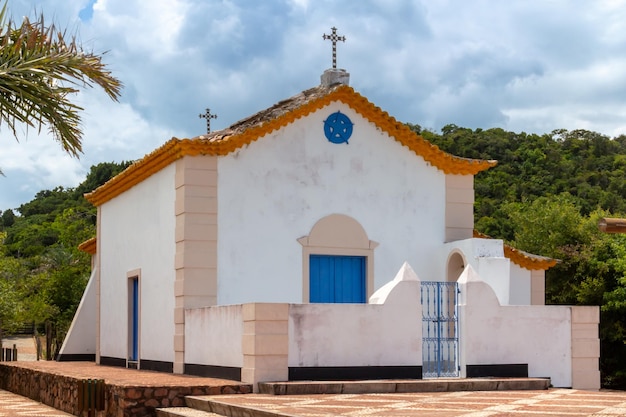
{"x":338,"y":128}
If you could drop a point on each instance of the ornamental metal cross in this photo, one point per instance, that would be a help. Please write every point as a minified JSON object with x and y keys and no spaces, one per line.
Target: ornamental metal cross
{"x":208,"y":116}
{"x":334,"y":38}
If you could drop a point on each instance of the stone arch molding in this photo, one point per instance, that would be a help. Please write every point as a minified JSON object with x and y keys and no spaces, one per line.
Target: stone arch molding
{"x":340,"y":235}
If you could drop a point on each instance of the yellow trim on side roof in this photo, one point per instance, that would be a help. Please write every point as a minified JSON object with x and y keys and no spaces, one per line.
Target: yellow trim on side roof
{"x":521,"y":258}
{"x":526,"y":261}
{"x":177,"y":148}
{"x":90,"y":246}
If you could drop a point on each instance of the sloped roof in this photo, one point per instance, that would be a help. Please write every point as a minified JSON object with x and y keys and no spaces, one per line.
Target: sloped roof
{"x":521,"y":258}
{"x":279,"y":115}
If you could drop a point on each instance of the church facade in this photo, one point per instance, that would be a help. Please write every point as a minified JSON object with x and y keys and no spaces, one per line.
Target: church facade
{"x":268,"y":251}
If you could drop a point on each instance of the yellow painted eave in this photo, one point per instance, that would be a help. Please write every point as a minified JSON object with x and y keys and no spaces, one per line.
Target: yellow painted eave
{"x":90,"y":246}
{"x":177,"y":148}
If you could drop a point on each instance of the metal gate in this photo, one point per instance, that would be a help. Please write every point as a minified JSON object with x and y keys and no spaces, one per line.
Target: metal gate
{"x":440,"y":335}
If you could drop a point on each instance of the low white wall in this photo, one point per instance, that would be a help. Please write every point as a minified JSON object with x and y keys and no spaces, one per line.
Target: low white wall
{"x":213,"y":336}
{"x":539,"y":336}
{"x":386,"y":332}
{"x":353,"y":335}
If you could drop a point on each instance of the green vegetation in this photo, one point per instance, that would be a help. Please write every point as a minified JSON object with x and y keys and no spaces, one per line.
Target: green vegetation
{"x":42,"y":272}
{"x":546,"y":196}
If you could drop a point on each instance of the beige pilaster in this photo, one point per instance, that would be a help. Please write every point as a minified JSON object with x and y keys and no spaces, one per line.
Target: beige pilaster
{"x":196,"y":243}
{"x":585,"y":348}
{"x":459,"y":207}
{"x":265,"y":343}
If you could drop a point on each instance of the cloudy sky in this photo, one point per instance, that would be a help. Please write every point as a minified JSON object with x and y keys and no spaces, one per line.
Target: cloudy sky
{"x":531,"y":66}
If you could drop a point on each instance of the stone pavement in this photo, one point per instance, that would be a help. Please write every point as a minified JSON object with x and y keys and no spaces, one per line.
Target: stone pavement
{"x":553,"y":402}
{"x":12,"y":405}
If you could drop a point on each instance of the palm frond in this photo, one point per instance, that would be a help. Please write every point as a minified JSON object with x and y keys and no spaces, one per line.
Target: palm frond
{"x":40,"y":67}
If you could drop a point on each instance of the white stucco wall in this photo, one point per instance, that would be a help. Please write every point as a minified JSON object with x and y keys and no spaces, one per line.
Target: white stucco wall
{"x":487,"y":258}
{"x":385,"y":332}
{"x":539,"y":336}
{"x":81,"y":336}
{"x":352,"y":335}
{"x":496,"y":273}
{"x":520,"y":285}
{"x":213,"y":336}
{"x":273,"y":191}
{"x":137,"y":233}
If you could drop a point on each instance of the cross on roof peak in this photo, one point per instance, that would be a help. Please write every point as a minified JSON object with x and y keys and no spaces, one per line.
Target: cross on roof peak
{"x":208,"y":116}
{"x":334,"y":38}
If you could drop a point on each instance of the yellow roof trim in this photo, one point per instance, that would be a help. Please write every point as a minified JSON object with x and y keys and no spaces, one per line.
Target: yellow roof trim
{"x":177,"y":148}
{"x":90,"y":246}
{"x":529,"y":262}
{"x":521,"y":258}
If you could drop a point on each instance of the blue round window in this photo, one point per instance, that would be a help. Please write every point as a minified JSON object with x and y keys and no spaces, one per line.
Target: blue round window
{"x":338,"y":128}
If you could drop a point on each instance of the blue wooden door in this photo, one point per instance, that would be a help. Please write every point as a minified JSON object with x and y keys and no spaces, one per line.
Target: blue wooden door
{"x":134,"y":319}
{"x":337,"y":279}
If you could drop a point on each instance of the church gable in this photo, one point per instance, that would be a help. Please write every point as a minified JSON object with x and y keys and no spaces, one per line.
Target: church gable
{"x":274,"y":118}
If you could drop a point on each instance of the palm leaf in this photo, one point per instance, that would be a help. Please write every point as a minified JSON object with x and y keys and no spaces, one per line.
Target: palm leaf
{"x":40,"y":67}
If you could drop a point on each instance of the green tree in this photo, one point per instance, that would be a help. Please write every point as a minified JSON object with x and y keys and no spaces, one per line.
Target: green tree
{"x":42,"y":272}
{"x":40,"y":66}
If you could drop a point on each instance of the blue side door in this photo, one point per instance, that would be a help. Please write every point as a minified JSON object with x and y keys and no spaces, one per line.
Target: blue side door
{"x":337,"y":279}
{"x":134,"y":319}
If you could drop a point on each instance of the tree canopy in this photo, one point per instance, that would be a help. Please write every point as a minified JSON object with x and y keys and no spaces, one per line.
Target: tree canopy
{"x":42,"y":272}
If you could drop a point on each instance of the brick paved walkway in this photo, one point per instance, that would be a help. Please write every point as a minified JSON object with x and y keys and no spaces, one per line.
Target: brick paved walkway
{"x":12,"y":405}
{"x":554,"y":402}
{"x":119,"y":376}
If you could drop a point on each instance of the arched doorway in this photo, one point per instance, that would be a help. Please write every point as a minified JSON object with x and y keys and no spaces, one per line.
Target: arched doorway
{"x":337,"y":261}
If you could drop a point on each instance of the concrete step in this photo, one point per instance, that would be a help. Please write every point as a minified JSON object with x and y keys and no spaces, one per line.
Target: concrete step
{"x":402,"y":386}
{"x":184,"y":412}
{"x":212,"y":404}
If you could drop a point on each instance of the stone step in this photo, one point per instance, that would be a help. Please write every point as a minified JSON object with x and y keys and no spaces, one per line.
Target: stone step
{"x":402,"y":386}
{"x":212,"y":404}
{"x":184,"y":412}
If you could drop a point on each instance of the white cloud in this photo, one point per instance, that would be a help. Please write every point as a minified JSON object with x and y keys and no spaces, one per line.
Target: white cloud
{"x":519,"y":65}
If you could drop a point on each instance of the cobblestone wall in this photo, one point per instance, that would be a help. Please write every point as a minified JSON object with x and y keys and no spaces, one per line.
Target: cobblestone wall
{"x":61,"y":392}
{"x":142,"y":401}
{"x":57,"y":391}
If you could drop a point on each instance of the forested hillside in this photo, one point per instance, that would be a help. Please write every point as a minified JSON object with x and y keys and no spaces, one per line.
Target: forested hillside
{"x":42,"y":272}
{"x":546,"y":196}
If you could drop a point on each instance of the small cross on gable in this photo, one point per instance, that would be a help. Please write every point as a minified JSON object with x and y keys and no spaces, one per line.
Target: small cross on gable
{"x":334,"y":38}
{"x":208,"y":116}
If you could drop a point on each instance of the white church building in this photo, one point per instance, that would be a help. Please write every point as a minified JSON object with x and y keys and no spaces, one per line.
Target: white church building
{"x":317,"y":239}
